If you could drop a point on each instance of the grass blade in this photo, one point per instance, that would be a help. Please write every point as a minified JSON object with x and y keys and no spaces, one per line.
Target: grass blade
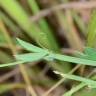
{"x":75,"y":89}
{"x":11,"y":64}
{"x":17,"y":13}
{"x":30,"y":57}
{"x":74,"y":60}
{"x":90,"y":51}
{"x":43,"y":25}
{"x":77,"y":78}
{"x":29,"y":47}
{"x":91,"y":37}
{"x":9,"y":86}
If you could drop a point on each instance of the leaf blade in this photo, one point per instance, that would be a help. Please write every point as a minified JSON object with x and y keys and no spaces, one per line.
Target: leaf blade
{"x":12,"y":64}
{"x":77,"y":78}
{"x":29,"y":57}
{"x":74,"y":60}
{"x":29,"y":47}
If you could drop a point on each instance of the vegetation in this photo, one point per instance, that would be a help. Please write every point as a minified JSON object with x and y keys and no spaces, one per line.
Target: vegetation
{"x":56,"y":54}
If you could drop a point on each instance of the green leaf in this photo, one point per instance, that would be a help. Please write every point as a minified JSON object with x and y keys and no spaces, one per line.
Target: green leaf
{"x":44,"y":25}
{"x":88,"y":50}
{"x":74,"y":59}
{"x":88,"y":53}
{"x":29,"y":47}
{"x":74,"y":89}
{"x":77,"y":78}
{"x":86,"y":92}
{"x":84,"y":56}
{"x":80,"y":55}
{"x":11,"y":64}
{"x":91,"y":36}
{"x":29,"y":57}
{"x":91,"y":52}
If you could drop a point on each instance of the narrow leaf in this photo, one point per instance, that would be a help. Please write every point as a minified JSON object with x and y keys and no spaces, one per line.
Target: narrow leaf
{"x":74,"y":89}
{"x":89,"y":51}
{"x":9,"y":86}
{"x":80,"y":55}
{"x":29,"y":57}
{"x":29,"y":47}
{"x":11,"y":64}
{"x":77,"y":78}
{"x":74,"y":60}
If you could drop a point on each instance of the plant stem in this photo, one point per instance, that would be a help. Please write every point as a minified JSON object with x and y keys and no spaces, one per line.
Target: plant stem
{"x":21,"y":66}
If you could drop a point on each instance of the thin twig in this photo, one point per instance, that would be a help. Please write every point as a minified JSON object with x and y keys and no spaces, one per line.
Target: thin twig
{"x":61,"y":81}
{"x":8,"y":75}
{"x":21,"y":66}
{"x":14,"y":72}
{"x":70,"y":5}
{"x":27,"y":80}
